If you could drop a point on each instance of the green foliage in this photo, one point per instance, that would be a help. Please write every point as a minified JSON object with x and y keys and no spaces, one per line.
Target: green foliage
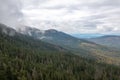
{"x":24,"y":58}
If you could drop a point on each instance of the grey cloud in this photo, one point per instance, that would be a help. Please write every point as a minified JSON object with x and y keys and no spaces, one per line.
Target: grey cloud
{"x":87,"y":4}
{"x":10,"y":12}
{"x":108,"y":29}
{"x":103,"y":13}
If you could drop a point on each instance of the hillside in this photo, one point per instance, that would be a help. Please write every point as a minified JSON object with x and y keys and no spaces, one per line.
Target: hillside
{"x":26,"y":41}
{"x":110,"y":41}
{"x":77,"y":46}
{"x":25,"y":58}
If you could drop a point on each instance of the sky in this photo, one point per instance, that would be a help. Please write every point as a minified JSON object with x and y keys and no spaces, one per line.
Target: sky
{"x":70,"y":16}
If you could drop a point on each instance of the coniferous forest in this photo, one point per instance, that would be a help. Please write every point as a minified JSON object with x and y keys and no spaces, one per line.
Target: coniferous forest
{"x":25,"y":58}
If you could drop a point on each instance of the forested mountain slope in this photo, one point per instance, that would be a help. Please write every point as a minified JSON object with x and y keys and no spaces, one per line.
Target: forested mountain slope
{"x":25,"y":58}
{"x":80,"y":47}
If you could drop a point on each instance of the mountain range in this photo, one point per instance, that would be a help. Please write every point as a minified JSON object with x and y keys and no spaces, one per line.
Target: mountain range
{"x":87,"y":35}
{"x":108,"y":40}
{"x":81,"y":47}
{"x":63,"y":41}
{"x":33,"y":54}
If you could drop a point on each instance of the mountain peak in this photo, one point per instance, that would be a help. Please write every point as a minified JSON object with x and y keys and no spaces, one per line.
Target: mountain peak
{"x":30,"y":31}
{"x":51,"y":31}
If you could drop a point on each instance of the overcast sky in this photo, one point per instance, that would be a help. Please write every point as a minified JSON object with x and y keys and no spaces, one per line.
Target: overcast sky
{"x":71,"y":16}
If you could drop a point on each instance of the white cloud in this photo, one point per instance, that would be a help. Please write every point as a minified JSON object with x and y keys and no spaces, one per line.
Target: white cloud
{"x":71,"y":16}
{"x":10,"y":12}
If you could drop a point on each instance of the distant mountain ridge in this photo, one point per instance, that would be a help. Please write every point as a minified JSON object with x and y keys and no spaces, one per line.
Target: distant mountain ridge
{"x":108,"y":40}
{"x":87,"y":36}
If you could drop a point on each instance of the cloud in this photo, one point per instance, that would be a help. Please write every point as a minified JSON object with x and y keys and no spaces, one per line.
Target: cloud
{"x":71,"y":16}
{"x":10,"y":12}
